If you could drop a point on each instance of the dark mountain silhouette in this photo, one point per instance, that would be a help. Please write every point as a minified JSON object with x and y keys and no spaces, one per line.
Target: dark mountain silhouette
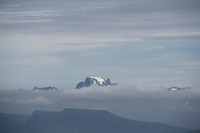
{"x":81,"y":121}
{"x":10,"y":123}
{"x":90,"y":121}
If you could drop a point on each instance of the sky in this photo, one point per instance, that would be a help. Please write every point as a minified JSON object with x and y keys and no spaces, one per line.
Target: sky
{"x":146,"y":46}
{"x":138,"y":42}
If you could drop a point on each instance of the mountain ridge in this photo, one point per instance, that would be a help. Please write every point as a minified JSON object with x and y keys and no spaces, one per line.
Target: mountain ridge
{"x":100,"y":81}
{"x":48,"y":88}
{"x":90,"y":121}
{"x":72,"y":120}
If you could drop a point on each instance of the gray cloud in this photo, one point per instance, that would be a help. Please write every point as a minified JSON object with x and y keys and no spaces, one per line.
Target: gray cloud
{"x":39,"y":100}
{"x":98,"y":17}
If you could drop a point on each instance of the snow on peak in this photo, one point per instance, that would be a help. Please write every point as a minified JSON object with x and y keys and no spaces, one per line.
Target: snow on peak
{"x":178,"y":88}
{"x":100,"y":81}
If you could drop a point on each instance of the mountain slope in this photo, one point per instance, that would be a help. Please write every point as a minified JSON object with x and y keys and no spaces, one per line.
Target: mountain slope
{"x":49,"y":88}
{"x":94,"y":81}
{"x":90,"y":121}
{"x":10,"y":123}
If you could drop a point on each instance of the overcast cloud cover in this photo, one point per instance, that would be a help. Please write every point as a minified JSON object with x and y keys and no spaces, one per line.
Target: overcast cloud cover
{"x":146,"y":46}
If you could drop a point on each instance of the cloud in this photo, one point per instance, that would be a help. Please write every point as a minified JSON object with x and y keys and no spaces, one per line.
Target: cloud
{"x":14,"y":16}
{"x":6,"y":100}
{"x":176,"y":35}
{"x":112,"y":93}
{"x":39,"y":100}
{"x":92,"y":24}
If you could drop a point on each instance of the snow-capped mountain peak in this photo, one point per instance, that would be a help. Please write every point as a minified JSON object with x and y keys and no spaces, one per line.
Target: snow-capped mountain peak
{"x":177,"y":88}
{"x":100,"y":81}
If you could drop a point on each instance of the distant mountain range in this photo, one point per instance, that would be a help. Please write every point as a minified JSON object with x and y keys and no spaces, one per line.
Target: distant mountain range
{"x":100,"y":81}
{"x":81,"y":121}
{"x":11,"y":123}
{"x":49,"y":88}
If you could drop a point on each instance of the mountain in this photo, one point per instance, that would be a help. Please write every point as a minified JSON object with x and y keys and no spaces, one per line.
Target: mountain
{"x":177,"y":88}
{"x":90,"y":121}
{"x":10,"y":123}
{"x":94,"y":80}
{"x":49,"y":88}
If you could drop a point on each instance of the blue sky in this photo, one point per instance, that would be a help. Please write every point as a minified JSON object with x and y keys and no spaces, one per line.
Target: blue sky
{"x":59,"y":43}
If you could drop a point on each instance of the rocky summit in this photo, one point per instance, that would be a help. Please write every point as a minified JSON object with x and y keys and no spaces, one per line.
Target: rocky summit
{"x":100,"y":81}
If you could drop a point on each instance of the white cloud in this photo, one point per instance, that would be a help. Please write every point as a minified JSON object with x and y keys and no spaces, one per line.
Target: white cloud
{"x":94,"y":93}
{"x":176,"y":34}
{"x":5,"y":100}
{"x":39,"y":100}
